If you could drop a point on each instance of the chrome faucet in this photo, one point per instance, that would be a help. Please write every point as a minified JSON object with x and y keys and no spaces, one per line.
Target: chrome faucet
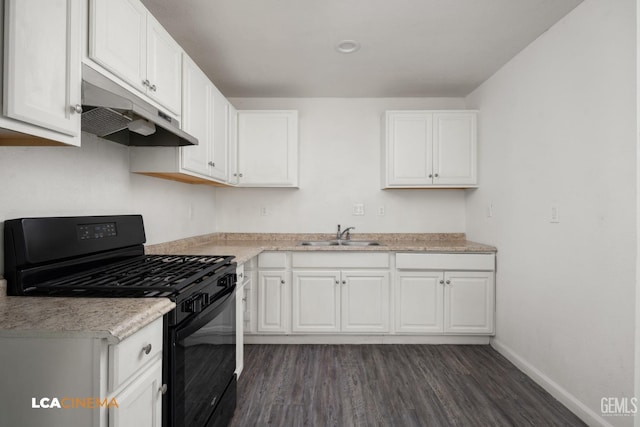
{"x":346,"y":230}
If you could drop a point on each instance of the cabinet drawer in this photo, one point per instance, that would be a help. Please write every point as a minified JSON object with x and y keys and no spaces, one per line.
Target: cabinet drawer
{"x":422,"y":261}
{"x":340,"y":259}
{"x":129,"y":356}
{"x":272,"y":260}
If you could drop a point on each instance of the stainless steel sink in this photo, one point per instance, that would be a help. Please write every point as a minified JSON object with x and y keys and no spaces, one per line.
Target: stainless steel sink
{"x":359,"y":243}
{"x":338,"y":243}
{"x":319,"y":243}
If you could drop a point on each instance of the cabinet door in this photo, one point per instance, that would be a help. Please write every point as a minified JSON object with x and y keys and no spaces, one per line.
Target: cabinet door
{"x":140,"y":403}
{"x":197,"y":118}
{"x":454,"y":148}
{"x":365,"y":301}
{"x":316,"y":301}
{"x":164,"y":66}
{"x":273,"y":302}
{"x":232,"y":145}
{"x":409,"y":148}
{"x":42,"y":64}
{"x":469,"y":302}
{"x":268,"y":148}
{"x":117,"y":39}
{"x":220,"y":135}
{"x":419,"y":302}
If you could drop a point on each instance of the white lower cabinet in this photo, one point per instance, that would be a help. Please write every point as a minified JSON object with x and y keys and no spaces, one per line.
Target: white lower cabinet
{"x":316,"y":301}
{"x":335,"y":293}
{"x":365,"y":301}
{"x":419,"y":302}
{"x":469,"y":302}
{"x":273,"y":301}
{"x":340,"y":301}
{"x":83,"y":371}
{"x":452,"y":294}
{"x":140,"y":404}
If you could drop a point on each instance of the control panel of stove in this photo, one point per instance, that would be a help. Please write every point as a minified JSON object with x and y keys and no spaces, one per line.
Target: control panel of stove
{"x":97,"y":231}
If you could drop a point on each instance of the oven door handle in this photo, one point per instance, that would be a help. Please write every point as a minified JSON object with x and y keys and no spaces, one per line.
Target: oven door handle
{"x":205,"y":316}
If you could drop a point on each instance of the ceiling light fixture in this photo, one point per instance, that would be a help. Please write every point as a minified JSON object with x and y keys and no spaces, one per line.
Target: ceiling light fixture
{"x":347,"y":46}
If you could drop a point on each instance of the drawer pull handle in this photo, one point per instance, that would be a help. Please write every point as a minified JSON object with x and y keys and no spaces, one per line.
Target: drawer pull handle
{"x":147,"y":349}
{"x":163,"y":389}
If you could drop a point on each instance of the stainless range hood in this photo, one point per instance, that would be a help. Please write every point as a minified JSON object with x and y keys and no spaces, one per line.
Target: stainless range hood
{"x":114,"y":113}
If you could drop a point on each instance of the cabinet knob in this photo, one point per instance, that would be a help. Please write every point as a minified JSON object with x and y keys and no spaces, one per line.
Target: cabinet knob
{"x":241,"y":275}
{"x":153,"y":87}
{"x":282,"y":282}
{"x":344,"y":282}
{"x":163,"y":389}
{"x":212,"y":164}
{"x":448,"y":282}
{"x":442,"y":282}
{"x":147,"y":349}
{"x":430,"y":175}
{"x":436,"y":175}
{"x":337,"y":282}
{"x":145,"y":83}
{"x":76,"y":108}
{"x":235,"y":174}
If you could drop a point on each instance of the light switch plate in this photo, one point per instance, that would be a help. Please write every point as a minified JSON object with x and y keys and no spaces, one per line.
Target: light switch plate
{"x":555,"y":214}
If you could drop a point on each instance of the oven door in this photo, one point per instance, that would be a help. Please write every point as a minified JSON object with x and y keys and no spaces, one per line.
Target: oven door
{"x":202,"y":367}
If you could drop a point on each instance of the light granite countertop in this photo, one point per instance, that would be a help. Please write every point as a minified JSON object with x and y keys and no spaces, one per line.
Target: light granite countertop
{"x":117,"y":318}
{"x":111,"y":318}
{"x":245,"y":246}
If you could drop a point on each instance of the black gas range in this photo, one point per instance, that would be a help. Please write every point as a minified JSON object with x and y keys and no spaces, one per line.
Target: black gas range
{"x":103,"y":256}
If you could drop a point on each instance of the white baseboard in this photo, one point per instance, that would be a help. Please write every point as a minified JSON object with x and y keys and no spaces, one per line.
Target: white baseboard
{"x":585,"y":413}
{"x":364,"y":339}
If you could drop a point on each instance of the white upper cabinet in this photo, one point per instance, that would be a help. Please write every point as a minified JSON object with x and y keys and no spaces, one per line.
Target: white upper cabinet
{"x":164,"y":65}
{"x":197,"y":119}
{"x":128,"y":41}
{"x":268,"y":148}
{"x":425,"y":149}
{"x":205,"y":115}
{"x":41,"y":90}
{"x":220,"y":136}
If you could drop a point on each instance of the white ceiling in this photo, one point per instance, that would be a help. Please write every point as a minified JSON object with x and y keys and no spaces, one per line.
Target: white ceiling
{"x":286,"y":48}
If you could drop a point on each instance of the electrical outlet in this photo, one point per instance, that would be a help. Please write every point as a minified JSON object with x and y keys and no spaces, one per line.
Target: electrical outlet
{"x":358,"y":209}
{"x":490,"y":210}
{"x":381,"y":211}
{"x":264,"y":211}
{"x":555,"y":213}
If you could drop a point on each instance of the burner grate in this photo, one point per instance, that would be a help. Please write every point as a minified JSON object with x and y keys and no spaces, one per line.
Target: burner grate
{"x":148,"y":275}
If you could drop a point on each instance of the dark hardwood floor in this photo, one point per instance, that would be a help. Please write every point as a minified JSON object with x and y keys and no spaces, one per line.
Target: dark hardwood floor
{"x":390,"y":385}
